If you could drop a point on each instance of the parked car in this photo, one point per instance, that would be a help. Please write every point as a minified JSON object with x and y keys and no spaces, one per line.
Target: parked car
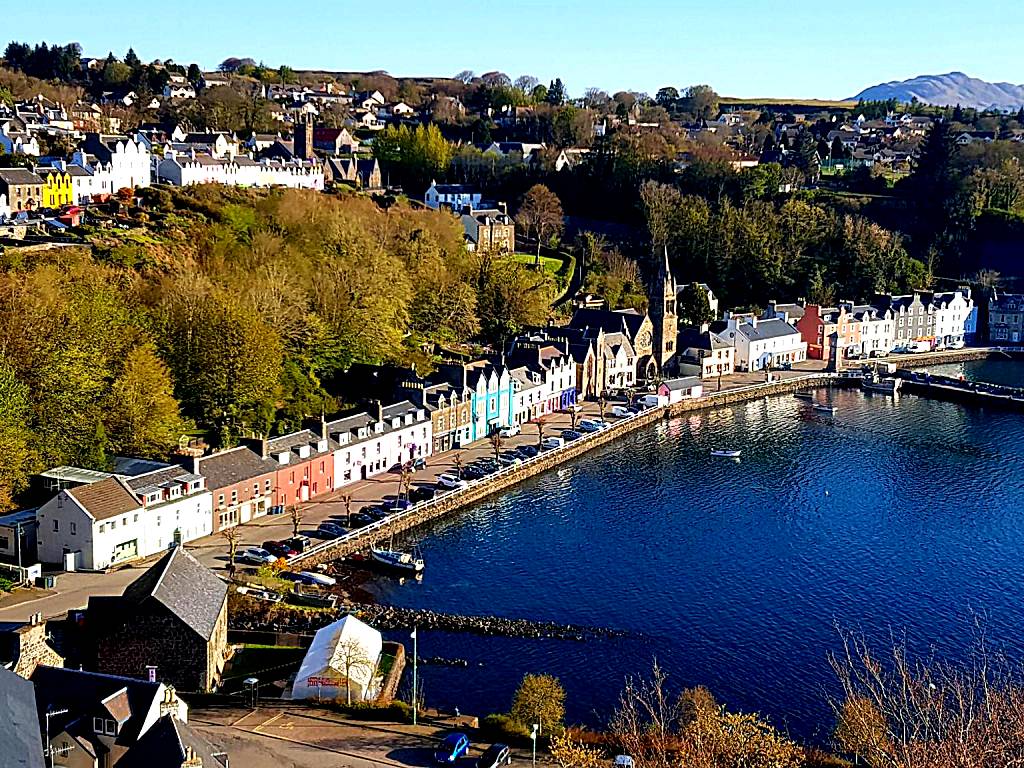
{"x":419,"y":463}
{"x":359,"y":519}
{"x":495,"y":756}
{"x":450,"y":482}
{"x":955,"y":344}
{"x":375,"y":513}
{"x":473,"y":473}
{"x":452,"y":747}
{"x":588,"y":425}
{"x":574,"y":408}
{"x":280,"y":548}
{"x":331,"y":529}
{"x":511,"y":431}
{"x":510,"y":458}
{"x":254,"y":556}
{"x":393,"y":504}
{"x":620,"y":411}
{"x":569,"y":434}
{"x":879,"y":353}
{"x":549,"y":443}
{"x":527,"y":451}
{"x":298,"y":543}
{"x":421,"y":493}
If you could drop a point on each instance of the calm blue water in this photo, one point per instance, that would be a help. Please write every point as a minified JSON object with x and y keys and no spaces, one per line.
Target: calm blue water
{"x":888,"y":518}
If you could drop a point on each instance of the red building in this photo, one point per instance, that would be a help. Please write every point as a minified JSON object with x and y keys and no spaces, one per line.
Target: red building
{"x":819,"y":323}
{"x":305,"y":466}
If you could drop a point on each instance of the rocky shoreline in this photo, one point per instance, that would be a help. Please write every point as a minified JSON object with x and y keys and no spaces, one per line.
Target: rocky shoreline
{"x":387,"y":617}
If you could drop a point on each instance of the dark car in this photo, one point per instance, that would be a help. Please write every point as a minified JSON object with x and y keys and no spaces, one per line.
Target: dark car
{"x":452,"y":747}
{"x":279,"y":548}
{"x":570,"y":434}
{"x":495,"y":756}
{"x":527,"y":451}
{"x":393,"y":504}
{"x":360,"y":518}
{"x":472,"y":473}
{"x":376,"y":513}
{"x":299,"y":543}
{"x":422,"y":493}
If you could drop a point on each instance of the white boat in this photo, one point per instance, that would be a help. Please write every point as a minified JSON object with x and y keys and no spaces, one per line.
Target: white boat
{"x":824,"y":408}
{"x":726,"y":454}
{"x":402,"y":562}
{"x":887,"y":386}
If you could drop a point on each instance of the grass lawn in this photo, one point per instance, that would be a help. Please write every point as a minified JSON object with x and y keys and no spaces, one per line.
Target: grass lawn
{"x":547,"y":263}
{"x":267,"y":662}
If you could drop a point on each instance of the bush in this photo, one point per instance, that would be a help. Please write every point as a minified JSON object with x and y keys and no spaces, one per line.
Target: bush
{"x":503,"y":728}
{"x":395,"y":712}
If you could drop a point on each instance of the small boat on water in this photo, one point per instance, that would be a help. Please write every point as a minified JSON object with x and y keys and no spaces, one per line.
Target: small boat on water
{"x":803,"y":395}
{"x":824,"y":408}
{"x":888,"y":386}
{"x":726,"y":454}
{"x":406,"y":563}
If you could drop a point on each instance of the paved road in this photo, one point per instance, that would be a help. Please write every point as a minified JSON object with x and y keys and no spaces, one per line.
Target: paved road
{"x":310,"y":738}
{"x":73,"y":589}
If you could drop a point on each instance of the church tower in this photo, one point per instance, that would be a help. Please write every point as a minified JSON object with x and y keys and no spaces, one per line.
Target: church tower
{"x":662,"y":296}
{"x":303,"y":144}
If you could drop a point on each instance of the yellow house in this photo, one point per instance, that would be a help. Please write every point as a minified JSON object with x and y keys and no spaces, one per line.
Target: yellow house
{"x":57,"y":189}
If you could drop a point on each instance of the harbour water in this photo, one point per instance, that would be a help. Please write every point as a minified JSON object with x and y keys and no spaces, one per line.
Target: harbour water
{"x":893,"y":518}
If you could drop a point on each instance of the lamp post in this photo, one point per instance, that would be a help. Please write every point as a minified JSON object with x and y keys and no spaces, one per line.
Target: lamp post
{"x":533,"y":738}
{"x":415,"y":703}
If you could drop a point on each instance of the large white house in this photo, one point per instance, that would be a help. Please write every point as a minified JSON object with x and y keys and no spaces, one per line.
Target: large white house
{"x":184,"y":169}
{"x":761,"y":343}
{"x":456,"y":196}
{"x":119,"y":519}
{"x":116,"y":162}
{"x":372,"y":443}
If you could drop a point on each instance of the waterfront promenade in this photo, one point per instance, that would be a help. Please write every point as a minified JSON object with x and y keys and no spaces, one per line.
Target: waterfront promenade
{"x":74,"y":589}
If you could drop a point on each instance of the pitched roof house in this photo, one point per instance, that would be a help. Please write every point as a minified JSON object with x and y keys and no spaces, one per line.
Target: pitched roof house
{"x":173,"y":617}
{"x":20,"y":742}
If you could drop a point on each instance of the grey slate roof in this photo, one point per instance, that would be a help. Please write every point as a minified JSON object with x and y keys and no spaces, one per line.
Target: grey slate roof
{"x":82,"y":692}
{"x":20,"y":742}
{"x":608,"y":320}
{"x":768,"y":329}
{"x":167,"y":744}
{"x":186,"y":588}
{"x":19,"y":176}
{"x":234,"y":466}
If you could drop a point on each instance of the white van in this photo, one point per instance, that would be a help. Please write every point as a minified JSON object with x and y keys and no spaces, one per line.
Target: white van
{"x":511,"y":431}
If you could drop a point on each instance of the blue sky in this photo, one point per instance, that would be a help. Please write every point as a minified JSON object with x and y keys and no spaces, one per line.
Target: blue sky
{"x":740,"y":47}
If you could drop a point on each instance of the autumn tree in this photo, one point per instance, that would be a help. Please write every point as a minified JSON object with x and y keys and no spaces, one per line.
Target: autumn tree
{"x":15,"y":437}
{"x":540,"y":215}
{"x":142,"y":413}
{"x":295,"y":516}
{"x":539,"y":699}
{"x":574,"y":753}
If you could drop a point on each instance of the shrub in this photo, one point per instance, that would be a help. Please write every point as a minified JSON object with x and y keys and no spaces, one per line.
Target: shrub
{"x":498,"y":727}
{"x":395,"y":712}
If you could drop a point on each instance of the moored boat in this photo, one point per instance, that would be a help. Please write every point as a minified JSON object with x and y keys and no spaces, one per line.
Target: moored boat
{"x":824,"y":408}
{"x":887,"y":386}
{"x":726,"y":454}
{"x":401,"y":562}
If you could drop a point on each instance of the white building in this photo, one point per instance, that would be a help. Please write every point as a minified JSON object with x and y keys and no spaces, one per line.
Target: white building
{"x":186,"y":169}
{"x":456,"y":196}
{"x":372,"y":443}
{"x":955,"y":316}
{"x":5,"y":208}
{"x":116,"y":162}
{"x":17,"y":142}
{"x":116,"y":520}
{"x":341,"y":662}
{"x":761,"y":343}
{"x":677,"y":390}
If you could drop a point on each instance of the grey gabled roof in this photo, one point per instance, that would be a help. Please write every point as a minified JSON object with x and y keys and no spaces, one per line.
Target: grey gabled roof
{"x":167,"y":744}
{"x":183,"y":586}
{"x":19,"y":176}
{"x":767,"y":329}
{"x":20,"y":742}
{"x":234,"y":466}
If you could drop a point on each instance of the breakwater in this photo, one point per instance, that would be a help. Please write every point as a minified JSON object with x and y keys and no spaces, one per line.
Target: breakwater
{"x":362,"y":538}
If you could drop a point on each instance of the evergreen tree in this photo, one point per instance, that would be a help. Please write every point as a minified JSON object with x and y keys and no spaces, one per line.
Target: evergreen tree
{"x":556,"y":93}
{"x":132,"y":60}
{"x":807,"y":159}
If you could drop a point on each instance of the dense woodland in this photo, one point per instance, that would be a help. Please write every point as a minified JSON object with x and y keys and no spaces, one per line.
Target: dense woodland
{"x":225,"y":313}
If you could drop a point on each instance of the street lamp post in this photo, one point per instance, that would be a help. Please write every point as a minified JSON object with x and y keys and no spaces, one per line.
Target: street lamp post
{"x":415,"y":703}
{"x":533,"y":738}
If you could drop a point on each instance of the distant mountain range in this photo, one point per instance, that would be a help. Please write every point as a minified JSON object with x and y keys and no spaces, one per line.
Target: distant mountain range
{"x":948,"y":90}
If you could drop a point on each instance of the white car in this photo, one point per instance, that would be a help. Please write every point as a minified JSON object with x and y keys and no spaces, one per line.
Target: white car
{"x":620,"y":411}
{"x":254,"y":556}
{"x":955,"y":344}
{"x":450,"y":482}
{"x":509,"y":431}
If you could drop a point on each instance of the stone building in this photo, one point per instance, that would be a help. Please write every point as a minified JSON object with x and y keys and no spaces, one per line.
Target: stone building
{"x":174,"y":617}
{"x":664,"y":319}
{"x":24,"y":646}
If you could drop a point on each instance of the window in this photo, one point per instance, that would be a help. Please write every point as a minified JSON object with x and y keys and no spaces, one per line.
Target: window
{"x":113,"y":524}
{"x":255,"y":489}
{"x":321,"y":467}
{"x":97,"y":724}
{"x":102,"y":527}
{"x":74,"y":529}
{"x":111,"y":728}
{"x":234,"y":496}
{"x":56,"y":526}
{"x":5,"y":543}
{"x":135,"y":518}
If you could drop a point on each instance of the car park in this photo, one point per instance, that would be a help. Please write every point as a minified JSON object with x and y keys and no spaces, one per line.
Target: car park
{"x":495,"y":756}
{"x":452,"y":747}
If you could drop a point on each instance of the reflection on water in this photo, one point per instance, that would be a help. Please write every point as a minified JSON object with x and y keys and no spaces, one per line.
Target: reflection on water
{"x":890,"y":516}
